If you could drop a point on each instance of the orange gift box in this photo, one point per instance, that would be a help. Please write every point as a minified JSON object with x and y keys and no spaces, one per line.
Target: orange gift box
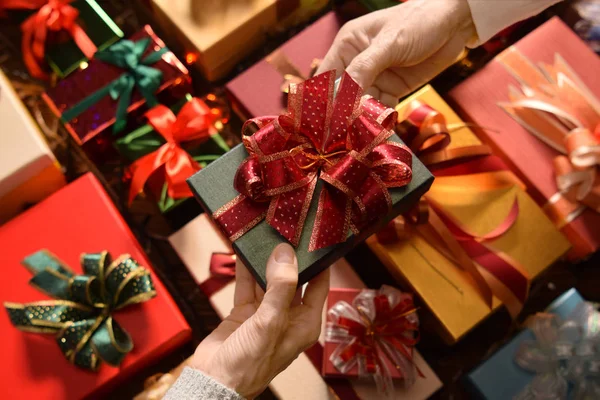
{"x":78,"y":218}
{"x":217,"y":35}
{"x":479,"y":99}
{"x":449,"y":292}
{"x":28,"y":170}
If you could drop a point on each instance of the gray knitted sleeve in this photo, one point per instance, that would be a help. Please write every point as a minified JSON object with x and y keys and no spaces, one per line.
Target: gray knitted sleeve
{"x":194,"y":385}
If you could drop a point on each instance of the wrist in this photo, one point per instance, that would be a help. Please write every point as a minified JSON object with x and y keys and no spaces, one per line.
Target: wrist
{"x":459,"y":13}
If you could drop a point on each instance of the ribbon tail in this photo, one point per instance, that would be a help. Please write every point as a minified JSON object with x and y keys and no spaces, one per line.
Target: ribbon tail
{"x":239,"y":216}
{"x":142,"y":170}
{"x":110,"y":342}
{"x":83,"y":41}
{"x":334,"y":213}
{"x":122,"y":106}
{"x":29,"y":58}
{"x":180,"y":167}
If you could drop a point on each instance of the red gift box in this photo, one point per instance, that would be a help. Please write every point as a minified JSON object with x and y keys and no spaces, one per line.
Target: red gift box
{"x":78,"y":218}
{"x":98,"y":74}
{"x":477,"y":99}
{"x":257,"y":91}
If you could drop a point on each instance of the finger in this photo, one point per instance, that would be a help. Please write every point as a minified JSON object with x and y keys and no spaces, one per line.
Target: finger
{"x":282,"y":278}
{"x":388,"y":99}
{"x":389,"y":82}
{"x":366,"y":66}
{"x":297,"y":298}
{"x":244,"y":285}
{"x":373,"y":91}
{"x":339,"y":56}
{"x":315,"y":294}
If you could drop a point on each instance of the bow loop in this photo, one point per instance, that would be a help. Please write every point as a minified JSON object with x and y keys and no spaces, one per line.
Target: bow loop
{"x":82,"y":316}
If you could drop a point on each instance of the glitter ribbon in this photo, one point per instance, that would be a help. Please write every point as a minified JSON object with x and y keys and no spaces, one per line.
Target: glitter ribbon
{"x":194,"y":122}
{"x":559,"y":109}
{"x":379,"y":329}
{"x":138,"y":74}
{"x":51,"y":16}
{"x":565,"y":356}
{"x":426,"y":132}
{"x":344,"y":143}
{"x":81,"y":314}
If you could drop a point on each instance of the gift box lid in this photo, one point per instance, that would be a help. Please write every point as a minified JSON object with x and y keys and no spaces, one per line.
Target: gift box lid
{"x":499,"y":377}
{"x":213,"y":187}
{"x":529,"y":157}
{"x":23,"y":152}
{"x":78,"y":218}
{"x":257,"y":91}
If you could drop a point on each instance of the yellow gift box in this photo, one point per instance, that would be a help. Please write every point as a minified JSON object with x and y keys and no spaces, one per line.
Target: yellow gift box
{"x":448,"y":291}
{"x":28,"y":170}
{"x":217,"y":34}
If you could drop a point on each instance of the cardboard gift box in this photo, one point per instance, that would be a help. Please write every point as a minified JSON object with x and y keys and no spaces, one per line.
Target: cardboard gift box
{"x":196,"y":243}
{"x":190,"y":126}
{"x":258,"y":90}
{"x":28,"y":170}
{"x":253,"y":237}
{"x":84,"y":100}
{"x":450,"y":293}
{"x":477,"y":99}
{"x":500,"y":377}
{"x":34,"y":364}
{"x":217,"y":35}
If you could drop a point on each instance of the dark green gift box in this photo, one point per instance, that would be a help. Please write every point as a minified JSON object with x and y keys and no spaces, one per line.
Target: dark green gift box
{"x":65,"y":57}
{"x":145,"y":140}
{"x":213,"y":187}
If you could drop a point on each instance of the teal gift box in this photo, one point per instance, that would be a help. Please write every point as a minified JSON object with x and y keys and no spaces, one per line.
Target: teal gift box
{"x":66,"y":57}
{"x":500,"y":378}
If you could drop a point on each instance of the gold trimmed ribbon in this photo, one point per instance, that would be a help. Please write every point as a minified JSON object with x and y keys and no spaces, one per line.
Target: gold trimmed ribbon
{"x":555,"y":106}
{"x":81,"y":314}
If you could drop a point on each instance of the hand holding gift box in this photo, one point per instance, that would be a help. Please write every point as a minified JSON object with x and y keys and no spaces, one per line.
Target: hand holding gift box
{"x":51,"y":17}
{"x":331,"y":165}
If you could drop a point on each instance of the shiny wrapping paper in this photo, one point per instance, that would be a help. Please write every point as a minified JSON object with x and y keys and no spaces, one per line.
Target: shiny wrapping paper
{"x":499,"y":377}
{"x":450,"y":293}
{"x":267,"y":76}
{"x":219,"y":34}
{"x":526,"y":155}
{"x":34,"y":366}
{"x":28,"y":170}
{"x":197,"y":241}
{"x":98,"y":118}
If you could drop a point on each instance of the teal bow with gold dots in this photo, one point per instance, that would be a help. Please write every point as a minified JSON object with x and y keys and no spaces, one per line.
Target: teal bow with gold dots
{"x":81,"y":315}
{"x":138,"y":73}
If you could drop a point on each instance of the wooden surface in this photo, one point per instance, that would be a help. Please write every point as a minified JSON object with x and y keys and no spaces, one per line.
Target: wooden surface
{"x":450,"y":363}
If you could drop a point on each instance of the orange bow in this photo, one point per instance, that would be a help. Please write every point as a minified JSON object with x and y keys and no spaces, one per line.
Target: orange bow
{"x":558,"y":108}
{"x":425,"y":131}
{"x":53,"y":16}
{"x":194,"y":122}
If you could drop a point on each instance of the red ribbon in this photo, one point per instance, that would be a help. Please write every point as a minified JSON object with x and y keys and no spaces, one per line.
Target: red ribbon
{"x":379,"y":324}
{"x":343,"y":142}
{"x":53,"y":16}
{"x":194,"y":122}
{"x":427,"y":134}
{"x":222,"y":271}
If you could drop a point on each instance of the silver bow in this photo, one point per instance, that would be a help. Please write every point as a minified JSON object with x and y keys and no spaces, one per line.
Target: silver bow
{"x":565,"y":356}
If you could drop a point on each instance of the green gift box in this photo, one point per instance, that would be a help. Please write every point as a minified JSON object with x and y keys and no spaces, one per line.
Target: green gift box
{"x":65,"y":57}
{"x":146,"y":140}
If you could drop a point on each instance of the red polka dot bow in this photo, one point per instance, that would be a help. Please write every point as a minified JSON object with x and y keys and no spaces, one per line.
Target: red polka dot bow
{"x":342,"y":142}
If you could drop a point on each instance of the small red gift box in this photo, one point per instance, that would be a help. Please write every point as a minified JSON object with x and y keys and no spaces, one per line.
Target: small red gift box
{"x":100,"y":115}
{"x":477,"y":98}
{"x":79,"y":218}
{"x":258,"y":90}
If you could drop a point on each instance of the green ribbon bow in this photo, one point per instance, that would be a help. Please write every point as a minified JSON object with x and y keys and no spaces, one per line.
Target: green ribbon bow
{"x":81,"y":317}
{"x":138,"y":73}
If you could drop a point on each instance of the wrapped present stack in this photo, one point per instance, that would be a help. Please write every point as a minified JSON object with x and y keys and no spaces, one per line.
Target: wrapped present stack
{"x":152,"y":150}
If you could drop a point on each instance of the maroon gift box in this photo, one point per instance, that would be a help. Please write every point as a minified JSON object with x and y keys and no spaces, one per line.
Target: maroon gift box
{"x":477,"y":100}
{"x":101,"y":116}
{"x":257,"y":91}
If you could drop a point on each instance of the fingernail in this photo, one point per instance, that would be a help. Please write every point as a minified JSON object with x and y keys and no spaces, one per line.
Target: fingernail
{"x":284,"y":254}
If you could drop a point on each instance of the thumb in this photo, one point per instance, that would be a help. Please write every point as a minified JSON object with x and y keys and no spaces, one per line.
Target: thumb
{"x":282,"y":282}
{"x":367,"y":66}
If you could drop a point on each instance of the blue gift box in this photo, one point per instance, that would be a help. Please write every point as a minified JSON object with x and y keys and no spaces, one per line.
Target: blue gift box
{"x":500,"y":378}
